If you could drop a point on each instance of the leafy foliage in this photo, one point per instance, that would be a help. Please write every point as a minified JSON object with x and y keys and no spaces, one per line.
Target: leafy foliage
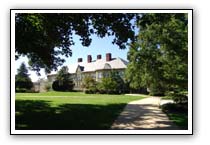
{"x":159,"y":57}
{"x":44,"y":37}
{"x":90,"y":85}
{"x":48,"y":87}
{"x":179,"y":97}
{"x":112,"y":83}
{"x":63,"y":81}
{"x":107,"y":86}
{"x":23,"y":82}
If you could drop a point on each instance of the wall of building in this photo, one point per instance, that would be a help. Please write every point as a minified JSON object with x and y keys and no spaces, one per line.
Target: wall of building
{"x":97,"y":75}
{"x":79,"y":76}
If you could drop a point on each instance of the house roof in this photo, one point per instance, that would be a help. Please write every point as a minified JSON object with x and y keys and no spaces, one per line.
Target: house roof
{"x":99,"y":64}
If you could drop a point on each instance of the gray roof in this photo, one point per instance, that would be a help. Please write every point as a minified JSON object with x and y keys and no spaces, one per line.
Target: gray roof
{"x":100,"y":64}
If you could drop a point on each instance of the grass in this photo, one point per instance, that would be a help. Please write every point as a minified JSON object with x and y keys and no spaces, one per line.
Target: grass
{"x":68,"y":110}
{"x":177,"y":113}
{"x":179,"y":119}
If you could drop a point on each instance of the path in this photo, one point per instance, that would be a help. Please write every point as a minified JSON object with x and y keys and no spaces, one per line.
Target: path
{"x":143,"y":114}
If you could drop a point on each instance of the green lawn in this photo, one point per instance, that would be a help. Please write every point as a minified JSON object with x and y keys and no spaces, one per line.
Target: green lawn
{"x":68,"y":110}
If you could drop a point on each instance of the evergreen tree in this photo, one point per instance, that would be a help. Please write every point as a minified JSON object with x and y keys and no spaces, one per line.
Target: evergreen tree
{"x":63,"y":81}
{"x":23,"y":82}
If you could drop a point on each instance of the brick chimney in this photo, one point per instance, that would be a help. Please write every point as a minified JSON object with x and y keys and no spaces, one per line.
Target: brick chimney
{"x":89,"y":58}
{"x":79,"y":60}
{"x":99,"y":56}
{"x":108,"y":57}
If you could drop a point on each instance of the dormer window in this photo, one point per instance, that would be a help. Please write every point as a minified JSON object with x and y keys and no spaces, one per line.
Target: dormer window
{"x":107,"y":66}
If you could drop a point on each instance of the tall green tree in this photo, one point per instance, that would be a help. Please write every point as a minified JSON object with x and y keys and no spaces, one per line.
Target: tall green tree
{"x":23,"y":82}
{"x":45,"y":37}
{"x":159,"y":57}
{"x":64,"y":81}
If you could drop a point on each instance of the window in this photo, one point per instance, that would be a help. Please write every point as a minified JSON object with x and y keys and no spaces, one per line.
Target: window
{"x":93,"y":75}
{"x":107,"y":66}
{"x":99,"y":75}
{"x":106,"y":74}
{"x":121,"y":73}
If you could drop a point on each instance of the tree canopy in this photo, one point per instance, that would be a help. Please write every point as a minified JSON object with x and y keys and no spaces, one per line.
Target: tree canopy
{"x":44,"y":37}
{"x":159,"y":57}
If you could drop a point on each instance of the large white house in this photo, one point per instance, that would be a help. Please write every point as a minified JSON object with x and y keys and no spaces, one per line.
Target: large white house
{"x":96,"y":69}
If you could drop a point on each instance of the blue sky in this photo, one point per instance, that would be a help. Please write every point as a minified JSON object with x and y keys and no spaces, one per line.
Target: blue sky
{"x":98,"y":46}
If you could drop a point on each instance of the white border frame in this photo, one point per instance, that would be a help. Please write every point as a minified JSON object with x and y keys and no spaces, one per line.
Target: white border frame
{"x":123,"y":132}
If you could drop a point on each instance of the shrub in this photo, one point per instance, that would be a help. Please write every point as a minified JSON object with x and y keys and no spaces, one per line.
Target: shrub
{"x":23,"y":82}
{"x":48,"y":87}
{"x":58,"y":86}
{"x":89,"y":85}
{"x":180,"y":97}
{"x":55,"y":86}
{"x":108,"y":86}
{"x":175,"y":108}
{"x":63,"y":81}
{"x":113,"y":84}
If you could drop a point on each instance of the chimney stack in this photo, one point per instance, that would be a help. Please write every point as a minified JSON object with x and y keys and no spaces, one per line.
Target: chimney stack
{"x":108,"y":57}
{"x":99,"y":56}
{"x":79,"y":60}
{"x":89,"y":58}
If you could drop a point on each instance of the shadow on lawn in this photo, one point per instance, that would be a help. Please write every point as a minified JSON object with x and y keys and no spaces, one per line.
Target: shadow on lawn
{"x":39,"y":115}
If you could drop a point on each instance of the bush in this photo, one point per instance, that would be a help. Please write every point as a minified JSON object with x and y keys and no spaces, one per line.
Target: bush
{"x":175,"y":108}
{"x":111,"y":84}
{"x":63,"y":81}
{"x":55,"y":86}
{"x":180,"y":97}
{"x":23,"y":90}
{"x":89,"y":85}
{"x":47,"y":87}
{"x":108,"y":86}
{"x":91,"y":91}
{"x":23,"y":85}
{"x":58,"y":86}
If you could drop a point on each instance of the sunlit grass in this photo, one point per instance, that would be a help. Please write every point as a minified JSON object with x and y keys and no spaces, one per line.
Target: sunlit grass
{"x":68,"y":110}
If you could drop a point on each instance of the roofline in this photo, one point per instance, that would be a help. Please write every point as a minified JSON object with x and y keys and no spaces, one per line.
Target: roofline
{"x":101,"y":69}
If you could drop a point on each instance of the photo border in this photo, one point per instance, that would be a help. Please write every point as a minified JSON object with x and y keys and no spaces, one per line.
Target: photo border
{"x":105,"y":132}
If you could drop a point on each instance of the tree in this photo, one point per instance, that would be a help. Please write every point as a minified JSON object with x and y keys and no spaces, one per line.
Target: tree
{"x":63,"y":81}
{"x":23,"y":82}
{"x":112,"y":84}
{"x":159,"y":56}
{"x":90,"y":85}
{"x":44,"y":37}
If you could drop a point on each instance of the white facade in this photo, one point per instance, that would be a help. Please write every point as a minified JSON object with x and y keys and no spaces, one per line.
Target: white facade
{"x":96,"y":69}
